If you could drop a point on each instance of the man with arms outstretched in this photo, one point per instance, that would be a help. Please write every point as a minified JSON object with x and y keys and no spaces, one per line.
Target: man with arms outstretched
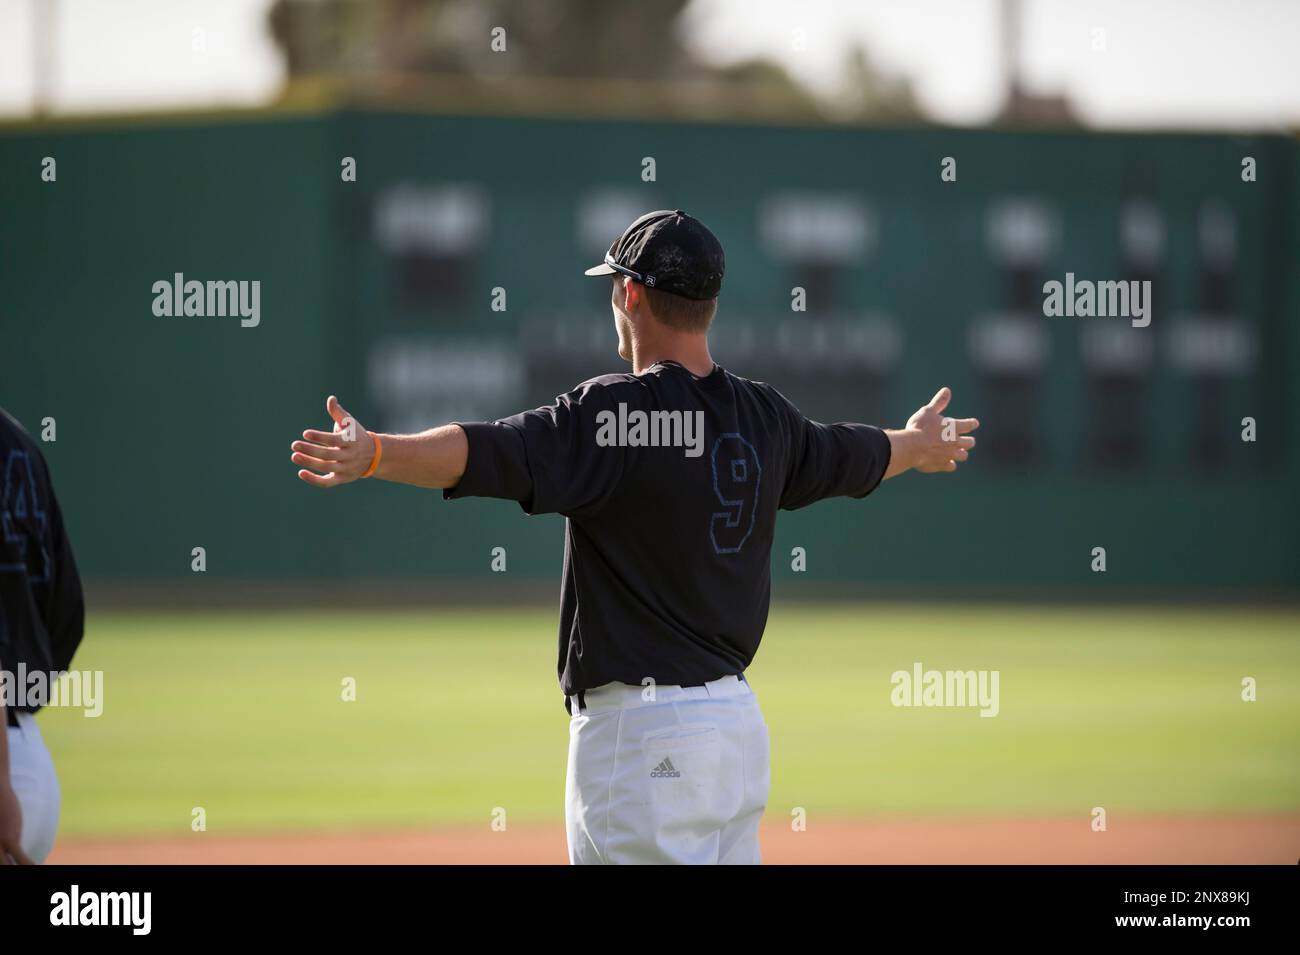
{"x":670,"y":479}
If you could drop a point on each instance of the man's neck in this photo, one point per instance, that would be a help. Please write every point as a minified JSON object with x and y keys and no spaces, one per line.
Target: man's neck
{"x":689,"y":351}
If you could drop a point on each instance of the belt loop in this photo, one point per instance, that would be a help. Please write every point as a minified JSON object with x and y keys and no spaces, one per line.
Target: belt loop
{"x":582,"y":699}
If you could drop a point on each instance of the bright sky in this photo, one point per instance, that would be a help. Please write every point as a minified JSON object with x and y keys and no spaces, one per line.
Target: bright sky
{"x":1219,"y":63}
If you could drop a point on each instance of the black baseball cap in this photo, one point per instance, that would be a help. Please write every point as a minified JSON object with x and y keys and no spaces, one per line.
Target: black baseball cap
{"x":670,"y":251}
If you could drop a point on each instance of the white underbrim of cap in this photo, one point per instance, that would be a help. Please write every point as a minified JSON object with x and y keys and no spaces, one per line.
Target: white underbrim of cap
{"x":601,"y":269}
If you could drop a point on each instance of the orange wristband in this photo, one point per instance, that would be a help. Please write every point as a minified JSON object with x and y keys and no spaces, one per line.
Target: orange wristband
{"x":379,"y":453}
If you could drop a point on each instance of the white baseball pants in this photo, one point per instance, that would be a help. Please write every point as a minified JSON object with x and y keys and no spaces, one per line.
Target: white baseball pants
{"x":31,"y":772}
{"x":680,"y":778}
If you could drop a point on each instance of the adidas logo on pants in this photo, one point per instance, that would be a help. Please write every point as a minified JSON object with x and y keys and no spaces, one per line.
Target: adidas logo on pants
{"x":665,"y":768}
{"x":683,"y":779}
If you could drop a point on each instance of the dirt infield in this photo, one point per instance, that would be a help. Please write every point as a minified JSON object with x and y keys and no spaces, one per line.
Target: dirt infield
{"x":1133,"y":840}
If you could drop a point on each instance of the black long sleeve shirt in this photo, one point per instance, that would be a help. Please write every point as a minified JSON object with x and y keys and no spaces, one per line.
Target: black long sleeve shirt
{"x":42,"y":613}
{"x":667,"y":550}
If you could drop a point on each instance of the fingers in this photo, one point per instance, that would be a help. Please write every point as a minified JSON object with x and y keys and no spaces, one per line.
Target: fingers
{"x":336,"y":411}
{"x":940,"y":399}
{"x":318,"y":451}
{"x":938,"y":467}
{"x":966,"y":425}
{"x":307,"y":461}
{"x":324,"y":456}
{"x":330,"y":439}
{"x":320,"y":480}
{"x":944,"y":458}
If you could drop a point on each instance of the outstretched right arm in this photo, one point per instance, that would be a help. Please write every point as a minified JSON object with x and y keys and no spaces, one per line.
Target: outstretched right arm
{"x":548,"y":459}
{"x":435,"y":458}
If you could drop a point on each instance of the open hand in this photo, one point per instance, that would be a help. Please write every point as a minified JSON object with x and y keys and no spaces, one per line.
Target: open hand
{"x":932,"y":442}
{"x":341,"y":456}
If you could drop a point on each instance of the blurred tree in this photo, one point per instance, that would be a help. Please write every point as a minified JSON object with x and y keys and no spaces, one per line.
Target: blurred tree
{"x":868,"y":94}
{"x":411,"y":44}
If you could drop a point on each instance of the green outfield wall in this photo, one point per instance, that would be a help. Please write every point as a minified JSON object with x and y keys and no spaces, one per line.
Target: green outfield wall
{"x":445,"y":283}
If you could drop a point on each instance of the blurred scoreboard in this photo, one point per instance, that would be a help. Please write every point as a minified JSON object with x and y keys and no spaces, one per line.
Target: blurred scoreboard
{"x":858,"y":279}
{"x":445,"y":283}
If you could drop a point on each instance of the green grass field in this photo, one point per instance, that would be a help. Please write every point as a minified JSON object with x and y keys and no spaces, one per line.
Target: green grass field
{"x":459,"y":712}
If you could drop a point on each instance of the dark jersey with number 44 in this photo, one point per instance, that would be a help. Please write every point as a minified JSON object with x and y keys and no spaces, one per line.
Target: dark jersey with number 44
{"x":671,"y":484}
{"x":41,"y":609}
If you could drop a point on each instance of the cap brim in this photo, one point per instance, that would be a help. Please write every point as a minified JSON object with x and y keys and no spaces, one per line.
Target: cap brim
{"x":601,"y":269}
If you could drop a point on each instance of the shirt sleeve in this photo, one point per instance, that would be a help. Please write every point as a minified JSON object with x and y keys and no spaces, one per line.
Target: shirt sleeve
{"x":42,"y":610}
{"x":832,"y":460}
{"x":547,"y":459}
{"x":65,"y":610}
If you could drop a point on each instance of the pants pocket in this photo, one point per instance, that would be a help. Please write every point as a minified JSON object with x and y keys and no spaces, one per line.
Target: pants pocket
{"x":682,"y":778}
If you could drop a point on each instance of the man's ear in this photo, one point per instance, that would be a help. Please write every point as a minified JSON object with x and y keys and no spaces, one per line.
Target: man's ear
{"x":631,"y":296}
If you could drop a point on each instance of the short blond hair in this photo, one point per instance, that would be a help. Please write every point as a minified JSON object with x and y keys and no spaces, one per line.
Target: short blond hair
{"x":679,"y":312}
